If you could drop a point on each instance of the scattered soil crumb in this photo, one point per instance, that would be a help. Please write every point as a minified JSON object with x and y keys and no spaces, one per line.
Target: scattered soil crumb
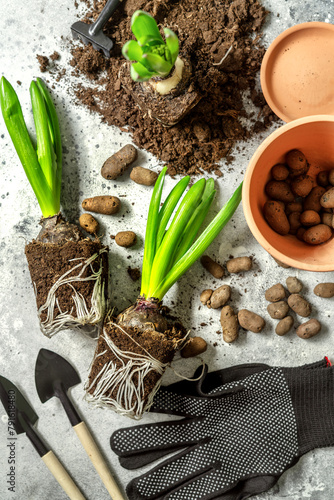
{"x":134,"y":273}
{"x":207,"y":30}
{"x":55,"y":56}
{"x":43,"y":62}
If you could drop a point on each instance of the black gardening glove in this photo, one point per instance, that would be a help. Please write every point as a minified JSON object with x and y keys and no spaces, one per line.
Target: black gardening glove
{"x":243,"y":427}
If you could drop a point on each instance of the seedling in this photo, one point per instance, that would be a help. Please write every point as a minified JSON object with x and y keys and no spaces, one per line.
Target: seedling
{"x":158,"y":72}
{"x":55,"y":256}
{"x":154,"y":56}
{"x":135,"y":348}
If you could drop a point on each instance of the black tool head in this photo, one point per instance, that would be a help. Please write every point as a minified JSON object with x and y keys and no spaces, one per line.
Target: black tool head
{"x":99,"y":40}
{"x":14,"y":404}
{"x":51,"y":370}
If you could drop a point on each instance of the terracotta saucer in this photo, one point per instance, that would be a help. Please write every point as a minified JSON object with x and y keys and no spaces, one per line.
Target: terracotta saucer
{"x":297,"y":72}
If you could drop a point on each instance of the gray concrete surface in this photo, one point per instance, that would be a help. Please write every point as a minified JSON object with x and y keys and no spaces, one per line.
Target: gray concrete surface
{"x":30,"y":27}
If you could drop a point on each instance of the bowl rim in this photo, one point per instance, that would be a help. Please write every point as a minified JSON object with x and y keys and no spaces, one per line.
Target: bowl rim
{"x":269,"y":54}
{"x":246,"y":196}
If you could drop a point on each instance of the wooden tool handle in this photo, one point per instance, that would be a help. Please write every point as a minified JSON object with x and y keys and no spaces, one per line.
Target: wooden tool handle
{"x":62,"y":476}
{"x":98,"y":461}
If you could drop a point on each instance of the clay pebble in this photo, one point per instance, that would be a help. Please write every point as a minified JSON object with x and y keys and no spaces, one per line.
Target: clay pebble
{"x":251,"y":321}
{"x":318,"y":234}
{"x":312,"y":201}
{"x":279,"y":191}
{"x":309,"y":329}
{"x":239,"y":264}
{"x":275,"y":293}
{"x":299,"y":305}
{"x":205,"y":297}
{"x":143,"y":176}
{"x":276,"y":217}
{"x":294,"y":285}
{"x":88,"y":223}
{"x":278,"y":310}
{"x":279,"y":172}
{"x":106,"y":205}
{"x":212,"y":267}
{"x":310,"y":218}
{"x":322,"y":178}
{"x":296,"y":160}
{"x":302,"y":186}
{"x":229,"y":323}
{"x":284,"y":326}
{"x":220,"y":296}
{"x":324,"y":290}
{"x":331,"y":177}
{"x":327,"y":199}
{"x":116,"y":165}
{"x":126,"y":239}
{"x":194,"y":347}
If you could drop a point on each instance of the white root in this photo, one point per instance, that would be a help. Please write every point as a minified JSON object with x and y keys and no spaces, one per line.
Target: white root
{"x":127,"y":379}
{"x":165,"y":86}
{"x":79,"y":314}
{"x":224,"y":57}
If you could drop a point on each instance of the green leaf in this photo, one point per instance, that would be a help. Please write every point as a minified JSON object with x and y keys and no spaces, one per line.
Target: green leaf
{"x":55,"y":135}
{"x":194,"y":224}
{"x":142,"y":25}
{"x":172,"y":43}
{"x":139,"y":73}
{"x":13,"y":117}
{"x":169,"y":205}
{"x":200,"y":245}
{"x":45,"y":152}
{"x":156,"y":63}
{"x":165,"y":252}
{"x":148,"y":42}
{"x":132,"y":51}
{"x":209,"y":188}
{"x":151,"y":232}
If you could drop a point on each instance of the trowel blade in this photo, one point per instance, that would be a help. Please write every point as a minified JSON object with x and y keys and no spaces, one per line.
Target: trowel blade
{"x":15,"y":403}
{"x":52,"y":370}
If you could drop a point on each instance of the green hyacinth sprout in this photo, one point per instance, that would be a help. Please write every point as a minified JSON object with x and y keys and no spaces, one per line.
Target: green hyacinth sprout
{"x":154,"y":56}
{"x":42,"y":162}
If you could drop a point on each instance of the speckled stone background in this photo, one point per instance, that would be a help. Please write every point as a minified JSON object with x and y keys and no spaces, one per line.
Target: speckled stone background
{"x":42,"y":26}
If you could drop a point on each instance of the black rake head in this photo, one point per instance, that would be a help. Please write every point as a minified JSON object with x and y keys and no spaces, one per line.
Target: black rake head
{"x":99,"y":41}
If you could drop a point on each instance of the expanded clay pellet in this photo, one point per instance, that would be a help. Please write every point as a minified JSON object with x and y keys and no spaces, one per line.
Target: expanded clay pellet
{"x":239,"y":264}
{"x":143,"y":176}
{"x":106,"y":205}
{"x":194,"y":347}
{"x":212,"y":267}
{"x":205,"y":297}
{"x":88,"y":223}
{"x":116,"y":165}
{"x":126,"y":239}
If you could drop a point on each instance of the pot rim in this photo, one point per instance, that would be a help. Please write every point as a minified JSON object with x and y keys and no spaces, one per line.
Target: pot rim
{"x":246,"y":195}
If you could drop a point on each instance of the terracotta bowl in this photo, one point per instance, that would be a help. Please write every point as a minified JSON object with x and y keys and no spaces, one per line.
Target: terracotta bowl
{"x":314,"y":136}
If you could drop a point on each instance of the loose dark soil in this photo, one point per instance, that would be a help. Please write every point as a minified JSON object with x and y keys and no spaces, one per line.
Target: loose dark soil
{"x":134,"y":273}
{"x":55,"y":56}
{"x":48,"y":262}
{"x":207,"y":30}
{"x":43,"y":62}
{"x":161,"y":346}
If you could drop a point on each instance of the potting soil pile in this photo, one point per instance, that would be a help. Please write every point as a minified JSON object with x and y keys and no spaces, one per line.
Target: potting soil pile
{"x":223,"y":41}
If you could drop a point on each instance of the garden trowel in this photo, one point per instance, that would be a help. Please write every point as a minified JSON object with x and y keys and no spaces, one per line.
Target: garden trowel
{"x":92,"y":33}
{"x":54,"y":376}
{"x":21,"y":419}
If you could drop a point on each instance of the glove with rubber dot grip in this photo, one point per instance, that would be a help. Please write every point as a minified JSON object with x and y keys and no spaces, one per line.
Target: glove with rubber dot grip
{"x":242,"y":427}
